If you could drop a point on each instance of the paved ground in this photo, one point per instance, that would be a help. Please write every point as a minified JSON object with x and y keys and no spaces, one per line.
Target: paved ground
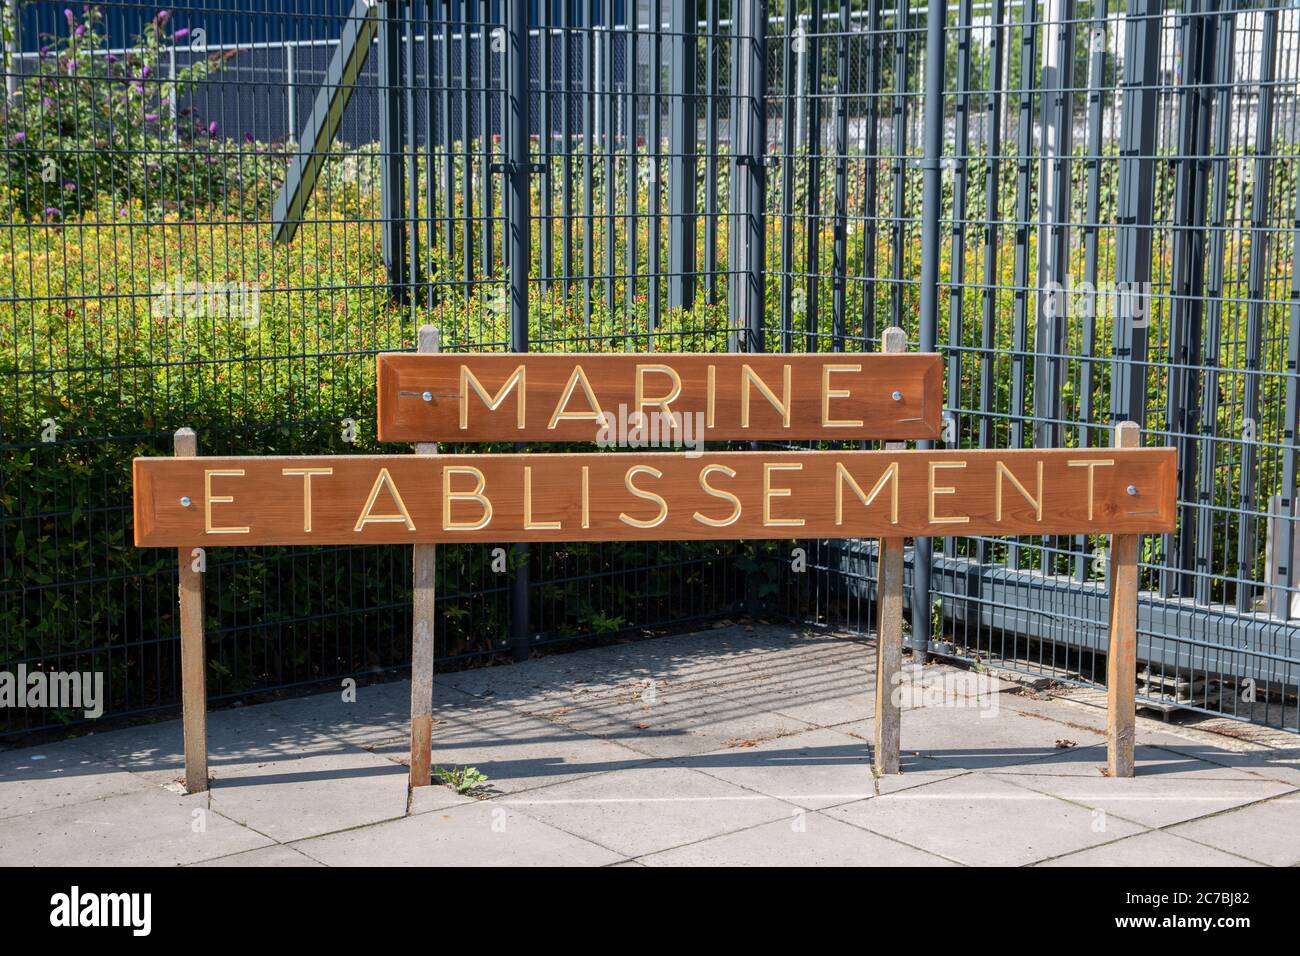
{"x":729,"y":746}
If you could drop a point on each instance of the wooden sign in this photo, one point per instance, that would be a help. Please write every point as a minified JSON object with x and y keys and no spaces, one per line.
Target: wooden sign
{"x":650,"y":496}
{"x":675,"y":399}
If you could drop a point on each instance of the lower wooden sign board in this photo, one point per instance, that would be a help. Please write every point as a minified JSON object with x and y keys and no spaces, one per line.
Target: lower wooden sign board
{"x":431,"y":499}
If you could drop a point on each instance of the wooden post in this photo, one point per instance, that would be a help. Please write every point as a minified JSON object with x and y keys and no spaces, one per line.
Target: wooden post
{"x":1121,"y":657}
{"x":422,"y":614}
{"x":889,"y":623}
{"x":194,"y":693}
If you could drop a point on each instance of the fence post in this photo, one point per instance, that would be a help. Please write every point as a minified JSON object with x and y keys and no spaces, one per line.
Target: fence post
{"x":422,"y":615}
{"x":931,"y":240}
{"x":391,"y":150}
{"x":682,"y":131}
{"x":1138,"y":125}
{"x":751,"y":107}
{"x":1121,"y":654}
{"x":889,"y":622}
{"x":194,"y":693}
{"x":520,"y":264}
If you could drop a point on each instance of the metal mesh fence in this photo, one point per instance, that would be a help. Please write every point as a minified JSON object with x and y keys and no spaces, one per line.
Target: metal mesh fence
{"x":219,"y":213}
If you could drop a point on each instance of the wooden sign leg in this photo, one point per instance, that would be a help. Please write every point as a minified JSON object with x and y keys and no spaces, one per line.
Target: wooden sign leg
{"x":194,"y":692}
{"x":889,"y":653}
{"x":889,"y":624}
{"x":422,"y":613}
{"x":1121,"y":657}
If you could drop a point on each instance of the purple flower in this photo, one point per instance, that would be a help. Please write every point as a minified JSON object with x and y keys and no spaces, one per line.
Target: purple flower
{"x":72,"y":66}
{"x":44,"y":52}
{"x":81,"y":30}
{"x":67,"y":14}
{"x":137,"y":88}
{"x":17,"y":138}
{"x":162,"y":16}
{"x":122,"y":211}
{"x":144,"y":72}
{"x":110,"y":58}
{"x":53,"y":211}
{"x":70,"y":185}
{"x":212,"y":128}
{"x":47,"y":102}
{"x":151,"y":117}
{"x":181,"y":34}
{"x":248,"y":136}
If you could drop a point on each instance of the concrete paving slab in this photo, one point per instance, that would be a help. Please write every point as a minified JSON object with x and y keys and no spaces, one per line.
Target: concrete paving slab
{"x":806,"y":839}
{"x":813,"y":769}
{"x":1150,"y":849}
{"x":270,"y":856}
{"x":58,"y":775}
{"x":517,"y":752}
{"x":984,"y":736}
{"x":156,"y":752}
{"x":980,"y":820}
{"x":649,"y":809}
{"x":291,"y":799}
{"x":675,"y":722}
{"x":1268,"y":832}
{"x":479,"y":833}
{"x":1149,"y":762}
{"x":1153,"y":800}
{"x":148,"y":828}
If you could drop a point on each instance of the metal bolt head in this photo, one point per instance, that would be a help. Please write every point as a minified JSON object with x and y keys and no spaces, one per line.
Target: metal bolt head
{"x":897,"y":396}
{"x":427,"y":396}
{"x":1132,"y":489}
{"x":185,"y":501}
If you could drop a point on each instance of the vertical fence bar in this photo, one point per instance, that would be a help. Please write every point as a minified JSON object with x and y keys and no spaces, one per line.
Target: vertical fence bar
{"x":960,"y":185}
{"x":486,"y":190}
{"x":712,"y":52}
{"x":902,"y":20}
{"x":392,"y":149}
{"x":544,"y":81}
{"x":588,"y":161}
{"x":1091,"y":245}
{"x":871,"y":169}
{"x":566,"y":153}
{"x":1187,"y":280}
{"x":751,"y":107}
{"x":467,"y":150}
{"x":1214,"y":286}
{"x":682,"y":130}
{"x":1024,"y":151}
{"x":411,"y":138}
{"x":1257,"y":280}
{"x":631,"y":52}
{"x":931,"y":249}
{"x":789,"y":147}
{"x":608,"y":140}
{"x":448,"y":137}
{"x":1286,"y":571}
{"x":992,"y":195}
{"x":812,"y":183}
{"x":654,"y":260}
{"x":1139,"y":121}
{"x":840,"y":241}
{"x":1057,"y":121}
{"x":517,"y":97}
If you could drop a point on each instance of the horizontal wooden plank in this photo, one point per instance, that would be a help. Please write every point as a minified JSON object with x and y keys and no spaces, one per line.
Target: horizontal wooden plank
{"x":650,"y":496}
{"x":687,"y":398}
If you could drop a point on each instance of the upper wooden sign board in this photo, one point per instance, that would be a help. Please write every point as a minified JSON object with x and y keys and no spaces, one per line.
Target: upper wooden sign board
{"x":381,"y":499}
{"x":675,"y":399}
